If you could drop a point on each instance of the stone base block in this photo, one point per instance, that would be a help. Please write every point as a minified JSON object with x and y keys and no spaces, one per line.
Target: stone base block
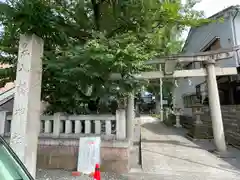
{"x":117,"y":166}
{"x":52,"y":155}
{"x":186,"y":121}
{"x":225,"y":154}
{"x":56,"y":160}
{"x":233,"y":138}
{"x":171,"y":121}
{"x":200,"y":131}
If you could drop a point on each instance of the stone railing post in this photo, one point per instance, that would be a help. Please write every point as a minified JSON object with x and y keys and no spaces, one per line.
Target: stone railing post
{"x":121,"y":124}
{"x":68,"y":126}
{"x":3,"y":115}
{"x":56,"y":124}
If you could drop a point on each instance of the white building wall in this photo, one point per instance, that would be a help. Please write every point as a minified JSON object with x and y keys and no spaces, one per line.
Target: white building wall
{"x":237,"y":30}
{"x":237,"y":27}
{"x":198,"y":39}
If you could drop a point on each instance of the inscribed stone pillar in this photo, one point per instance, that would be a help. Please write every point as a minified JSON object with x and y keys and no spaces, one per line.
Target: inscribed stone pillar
{"x":27,"y":105}
{"x":130,"y":116}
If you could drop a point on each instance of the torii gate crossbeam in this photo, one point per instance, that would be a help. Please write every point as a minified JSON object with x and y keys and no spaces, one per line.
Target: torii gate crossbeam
{"x":179,"y":73}
{"x":171,"y":62}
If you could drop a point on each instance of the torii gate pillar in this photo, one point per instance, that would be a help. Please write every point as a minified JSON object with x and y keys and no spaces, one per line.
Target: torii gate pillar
{"x":130,"y":116}
{"x":215,"y":108}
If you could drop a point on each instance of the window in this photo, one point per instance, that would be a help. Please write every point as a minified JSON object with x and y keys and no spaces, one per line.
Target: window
{"x":198,"y":93}
{"x":11,"y":168}
{"x":191,"y":65}
{"x":214,"y":44}
{"x":190,"y":100}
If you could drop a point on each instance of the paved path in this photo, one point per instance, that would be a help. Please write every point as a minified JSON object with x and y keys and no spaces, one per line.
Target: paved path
{"x":166,"y":153}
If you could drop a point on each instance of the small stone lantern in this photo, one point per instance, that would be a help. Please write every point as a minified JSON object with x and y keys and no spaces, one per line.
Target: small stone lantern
{"x":177,"y":112}
{"x":197,"y":111}
{"x":199,"y":130}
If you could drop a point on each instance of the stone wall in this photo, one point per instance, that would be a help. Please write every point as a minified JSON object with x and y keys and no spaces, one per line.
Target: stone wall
{"x":231,"y":122}
{"x":63,"y":154}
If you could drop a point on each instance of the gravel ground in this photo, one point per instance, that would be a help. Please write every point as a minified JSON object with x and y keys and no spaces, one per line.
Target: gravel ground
{"x":66,"y":175}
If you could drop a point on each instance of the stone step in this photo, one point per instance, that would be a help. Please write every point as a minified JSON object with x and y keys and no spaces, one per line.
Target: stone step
{"x":134,"y":158}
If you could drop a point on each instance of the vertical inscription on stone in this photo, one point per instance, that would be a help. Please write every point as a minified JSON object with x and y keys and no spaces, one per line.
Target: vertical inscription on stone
{"x":26,"y":110}
{"x":19,"y":121}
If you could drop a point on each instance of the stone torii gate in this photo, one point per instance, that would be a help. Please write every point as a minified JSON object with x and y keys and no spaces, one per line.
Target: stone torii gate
{"x":210,"y":71}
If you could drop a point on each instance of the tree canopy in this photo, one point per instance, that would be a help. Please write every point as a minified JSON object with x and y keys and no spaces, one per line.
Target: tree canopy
{"x":86,"y":41}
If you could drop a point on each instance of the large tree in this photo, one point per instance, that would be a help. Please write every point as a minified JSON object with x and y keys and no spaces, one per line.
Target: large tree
{"x":85,"y":41}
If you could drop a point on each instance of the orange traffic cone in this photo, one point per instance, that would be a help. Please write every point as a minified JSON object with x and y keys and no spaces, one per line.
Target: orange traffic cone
{"x":97,"y":175}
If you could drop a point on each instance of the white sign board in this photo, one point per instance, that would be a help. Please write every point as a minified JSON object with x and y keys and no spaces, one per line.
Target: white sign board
{"x":89,"y":154}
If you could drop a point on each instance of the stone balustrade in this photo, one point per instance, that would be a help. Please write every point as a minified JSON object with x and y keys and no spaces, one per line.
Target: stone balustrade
{"x":75,"y":126}
{"x":58,"y":143}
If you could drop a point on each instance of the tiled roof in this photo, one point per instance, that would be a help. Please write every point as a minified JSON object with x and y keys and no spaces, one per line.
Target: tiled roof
{"x":8,"y":85}
{"x":2,"y":66}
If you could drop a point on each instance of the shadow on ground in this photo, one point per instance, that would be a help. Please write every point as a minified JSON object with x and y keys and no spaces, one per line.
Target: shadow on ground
{"x":172,"y":142}
{"x":226,"y":168}
{"x":208,"y":145}
{"x":169,"y":131}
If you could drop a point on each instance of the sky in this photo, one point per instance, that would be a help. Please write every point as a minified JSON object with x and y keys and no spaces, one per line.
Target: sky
{"x":211,"y":7}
